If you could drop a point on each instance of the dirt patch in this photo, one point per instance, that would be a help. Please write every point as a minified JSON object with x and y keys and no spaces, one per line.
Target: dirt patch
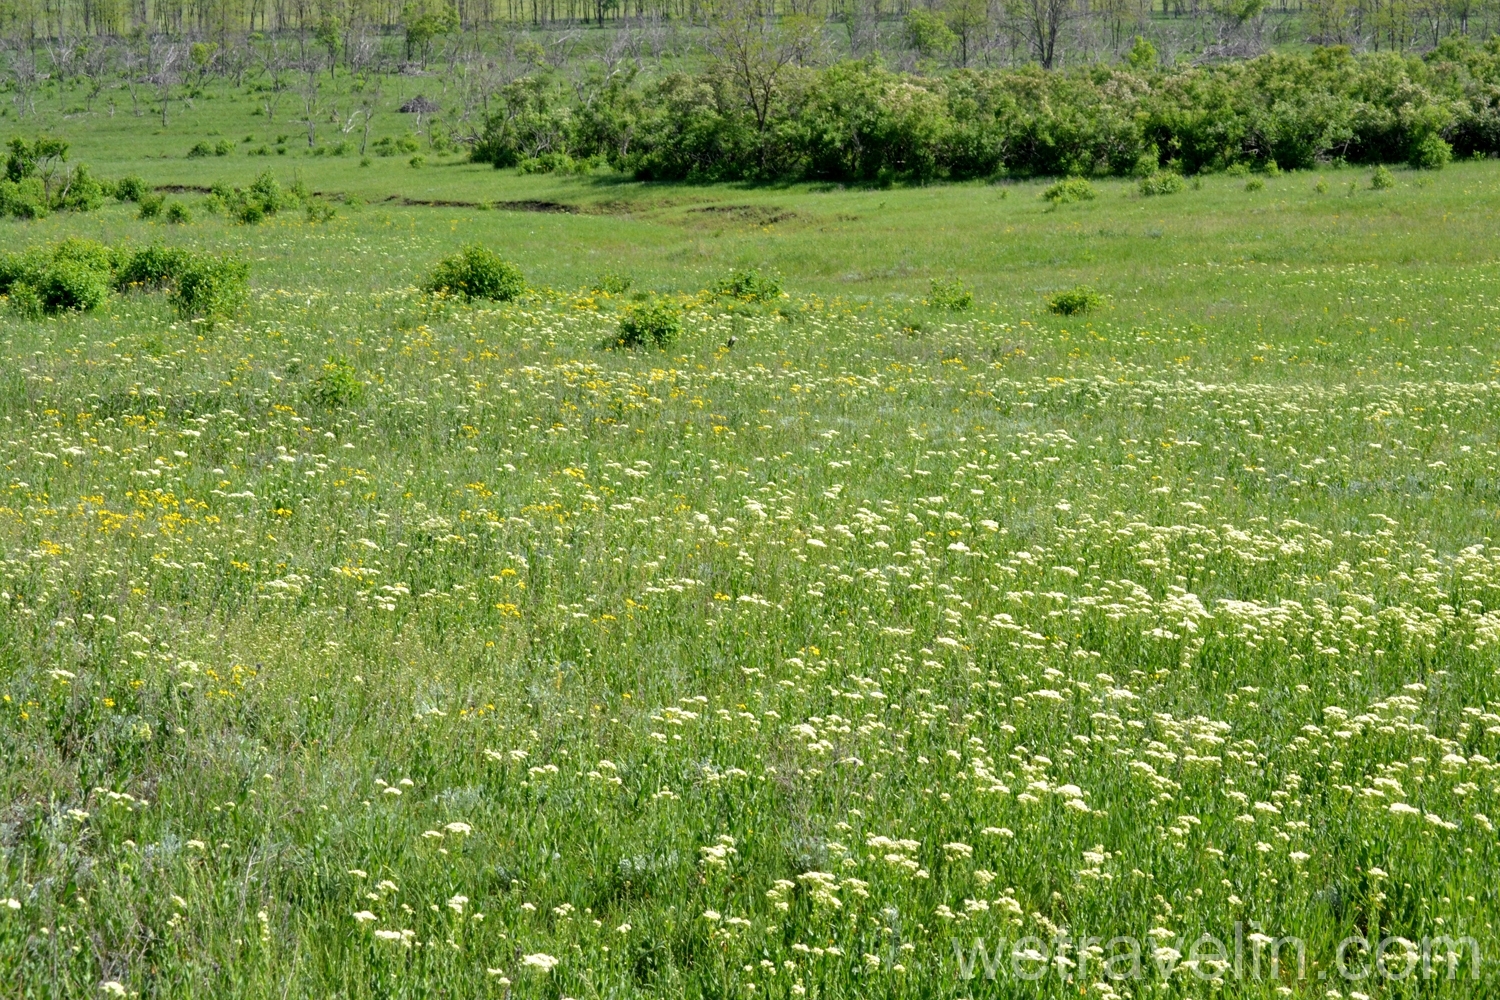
{"x":753,"y":215}
{"x":499,"y":206}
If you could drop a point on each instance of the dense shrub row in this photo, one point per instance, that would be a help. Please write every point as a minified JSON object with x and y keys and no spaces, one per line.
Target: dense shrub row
{"x":859,"y":122}
{"x":77,"y":275}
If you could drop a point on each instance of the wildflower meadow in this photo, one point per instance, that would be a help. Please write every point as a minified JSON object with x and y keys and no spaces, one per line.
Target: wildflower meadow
{"x":930,"y":592}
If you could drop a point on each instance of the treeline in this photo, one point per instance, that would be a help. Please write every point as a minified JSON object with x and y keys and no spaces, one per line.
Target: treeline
{"x":859,"y":122}
{"x":982,"y":33}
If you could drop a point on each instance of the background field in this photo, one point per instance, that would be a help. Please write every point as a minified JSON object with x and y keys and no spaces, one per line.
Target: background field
{"x":771,"y":669}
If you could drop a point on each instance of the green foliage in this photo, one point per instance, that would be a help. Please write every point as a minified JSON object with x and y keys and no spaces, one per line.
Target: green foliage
{"x":71,"y":286}
{"x":1142,"y":55}
{"x":392,"y":146}
{"x":655,"y":322}
{"x":1382,"y":179}
{"x":476,"y":272}
{"x":199,"y":150}
{"x":223,"y":147}
{"x":928,"y":33}
{"x":1068,"y":190}
{"x":38,"y":181}
{"x":338,"y":385}
{"x":951,"y":294}
{"x":40,"y":157}
{"x":249,"y":206}
{"x":151,"y":267}
{"x":77,"y":275}
{"x":859,"y":122}
{"x":25,"y":301}
{"x":750,"y":286}
{"x":212,"y":287}
{"x":611,"y":283}
{"x":1074,"y":301}
{"x":1162,"y":182}
{"x":178,"y":214}
{"x":25,"y":199}
{"x":549,"y":163}
{"x":1255,"y":184}
{"x":1431,"y":153}
{"x":71,"y":276}
{"x":316,"y":211}
{"x":131,"y":188}
{"x":151,"y":205}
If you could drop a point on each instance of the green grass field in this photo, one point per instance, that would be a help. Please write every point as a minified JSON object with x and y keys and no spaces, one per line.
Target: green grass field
{"x":520,"y":665}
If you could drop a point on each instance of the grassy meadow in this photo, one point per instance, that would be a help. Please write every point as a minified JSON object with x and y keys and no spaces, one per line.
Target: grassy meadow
{"x":378,"y":644}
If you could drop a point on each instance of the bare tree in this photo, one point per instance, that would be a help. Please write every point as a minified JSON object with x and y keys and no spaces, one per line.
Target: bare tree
{"x":98,"y":65}
{"x":862,"y":22}
{"x":276,"y":65}
{"x":1044,"y":21}
{"x":163,"y":68}
{"x":135,"y":73}
{"x":25,"y":76}
{"x":311,"y":84}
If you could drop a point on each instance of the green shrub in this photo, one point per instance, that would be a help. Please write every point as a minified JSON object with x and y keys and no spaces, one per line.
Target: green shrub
{"x":1255,"y":184}
{"x":1382,"y":179}
{"x":750,"y":286}
{"x":319,"y":211}
{"x":417,"y":161}
{"x":1432,"y":153}
{"x":266,"y":190}
{"x":1162,"y":182}
{"x":477,"y":273}
{"x":178,"y":213}
{"x":655,"y":322}
{"x":223,"y":147}
{"x":611,"y":283}
{"x":953,"y":295}
{"x":151,"y":205}
{"x":71,"y":286}
{"x":131,"y":188}
{"x":151,"y":267}
{"x":24,"y":199}
{"x":247,"y":211}
{"x":200,"y":150}
{"x":24,"y":300}
{"x":1069,"y":189}
{"x":1074,"y":301}
{"x":81,"y":192}
{"x":337,"y":385}
{"x":212,"y":287}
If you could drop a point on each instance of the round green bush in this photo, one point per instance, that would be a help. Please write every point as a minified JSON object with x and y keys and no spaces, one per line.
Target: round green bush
{"x":337,"y":385}
{"x":131,"y":188}
{"x":1432,"y":153}
{"x":1069,"y":189}
{"x":1382,"y":179}
{"x":1162,"y":182}
{"x":1074,"y":301}
{"x":655,"y":322}
{"x":212,"y":287}
{"x":477,"y":273}
{"x":71,"y":286}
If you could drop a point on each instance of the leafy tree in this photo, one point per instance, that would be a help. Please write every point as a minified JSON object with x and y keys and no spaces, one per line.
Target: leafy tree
{"x":426,"y":21}
{"x":928,"y":34}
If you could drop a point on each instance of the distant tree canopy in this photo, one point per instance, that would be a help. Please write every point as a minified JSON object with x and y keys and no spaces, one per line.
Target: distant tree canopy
{"x":967,"y":32}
